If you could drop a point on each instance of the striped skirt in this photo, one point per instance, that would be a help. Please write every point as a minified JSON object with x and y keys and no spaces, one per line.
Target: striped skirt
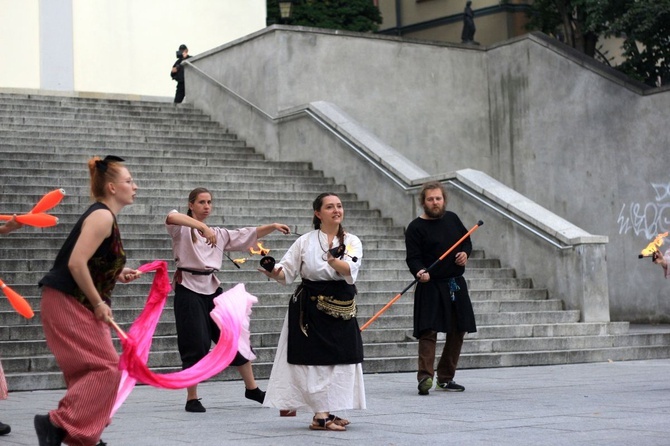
{"x":82,"y":346}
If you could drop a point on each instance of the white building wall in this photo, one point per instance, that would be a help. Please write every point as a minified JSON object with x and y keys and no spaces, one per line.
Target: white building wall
{"x":19,"y":41}
{"x":118,"y":46}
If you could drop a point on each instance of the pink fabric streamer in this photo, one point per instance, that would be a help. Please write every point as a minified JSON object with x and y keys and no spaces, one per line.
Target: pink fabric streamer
{"x":231,"y":313}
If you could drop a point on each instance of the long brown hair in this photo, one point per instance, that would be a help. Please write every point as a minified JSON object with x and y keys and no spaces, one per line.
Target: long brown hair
{"x":316,"y":205}
{"x":102,"y":172}
{"x":191,"y":199}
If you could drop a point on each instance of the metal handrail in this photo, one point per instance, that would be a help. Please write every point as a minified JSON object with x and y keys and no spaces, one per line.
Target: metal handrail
{"x":237,"y":96}
{"x":477,"y":197}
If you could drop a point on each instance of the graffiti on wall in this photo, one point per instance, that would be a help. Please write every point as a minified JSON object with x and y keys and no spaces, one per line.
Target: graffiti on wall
{"x":648,"y":219}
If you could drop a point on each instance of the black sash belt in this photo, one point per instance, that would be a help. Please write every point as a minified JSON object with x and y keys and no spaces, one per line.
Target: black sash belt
{"x":197,"y":273}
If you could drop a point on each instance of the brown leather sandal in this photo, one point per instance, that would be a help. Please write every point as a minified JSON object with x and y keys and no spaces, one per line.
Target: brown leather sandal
{"x":324,"y":424}
{"x":339,"y":421}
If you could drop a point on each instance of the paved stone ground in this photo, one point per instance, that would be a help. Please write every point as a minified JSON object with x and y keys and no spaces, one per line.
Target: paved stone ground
{"x":612,"y":403}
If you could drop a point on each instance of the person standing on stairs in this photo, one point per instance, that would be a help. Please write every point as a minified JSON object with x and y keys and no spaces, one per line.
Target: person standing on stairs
{"x":8,"y":227}
{"x":198,"y":252}
{"x":441,"y":299}
{"x":318,"y":363}
{"x":76,"y":310}
{"x":177,"y":74}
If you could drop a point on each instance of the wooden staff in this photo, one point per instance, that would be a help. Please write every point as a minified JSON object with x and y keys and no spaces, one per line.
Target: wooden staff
{"x":397,"y":296}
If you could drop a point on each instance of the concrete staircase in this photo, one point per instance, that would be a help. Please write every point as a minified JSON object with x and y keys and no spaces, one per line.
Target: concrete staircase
{"x":46,"y":141}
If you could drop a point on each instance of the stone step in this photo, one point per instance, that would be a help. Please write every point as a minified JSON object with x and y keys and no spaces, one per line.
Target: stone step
{"x":519,"y":359}
{"x":120,"y":137}
{"x":105,"y":128}
{"x":28,"y":381}
{"x":159,"y":110}
{"x":162,"y":345}
{"x":29,"y":121}
{"x":163,"y":351}
{"x":82,"y":102}
{"x":65,"y":162}
{"x":37,"y":115}
{"x":273,"y":306}
{"x":383,"y":364}
{"x":111,"y":111}
{"x":185,"y":186}
{"x":158,"y":172}
{"x":148,"y":154}
{"x":22,"y":247}
{"x":34,"y":332}
{"x":392,"y":320}
{"x":232,"y":183}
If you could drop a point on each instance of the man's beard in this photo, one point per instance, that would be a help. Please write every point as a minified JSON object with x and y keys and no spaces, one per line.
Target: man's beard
{"x":434,"y":213}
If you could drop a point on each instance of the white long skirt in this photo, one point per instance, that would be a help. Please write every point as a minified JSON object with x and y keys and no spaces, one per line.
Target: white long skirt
{"x":323,"y":388}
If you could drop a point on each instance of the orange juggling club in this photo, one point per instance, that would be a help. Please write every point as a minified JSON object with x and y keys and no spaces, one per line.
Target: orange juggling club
{"x":397,"y":296}
{"x":48,"y":201}
{"x":17,"y":301}
{"x":40,"y":220}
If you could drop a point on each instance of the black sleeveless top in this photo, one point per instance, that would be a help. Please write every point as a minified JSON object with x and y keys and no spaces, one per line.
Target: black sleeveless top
{"x":105,"y":265}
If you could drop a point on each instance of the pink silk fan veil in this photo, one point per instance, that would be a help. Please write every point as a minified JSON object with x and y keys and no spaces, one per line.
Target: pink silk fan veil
{"x":231,"y":313}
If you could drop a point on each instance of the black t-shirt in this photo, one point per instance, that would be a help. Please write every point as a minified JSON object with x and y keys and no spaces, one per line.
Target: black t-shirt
{"x":105,"y":264}
{"x":427,"y":240}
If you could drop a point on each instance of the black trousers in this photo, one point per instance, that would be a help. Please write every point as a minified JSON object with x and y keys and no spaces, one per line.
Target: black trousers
{"x":181,"y":93}
{"x":196,"y":330}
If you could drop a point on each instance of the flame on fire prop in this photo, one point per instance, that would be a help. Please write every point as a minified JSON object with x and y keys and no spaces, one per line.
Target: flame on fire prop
{"x":653,"y":246}
{"x":260,"y":251}
{"x":37,"y":216}
{"x":17,"y":301}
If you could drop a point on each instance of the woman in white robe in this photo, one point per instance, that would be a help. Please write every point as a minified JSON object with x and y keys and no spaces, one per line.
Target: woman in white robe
{"x":318,"y":364}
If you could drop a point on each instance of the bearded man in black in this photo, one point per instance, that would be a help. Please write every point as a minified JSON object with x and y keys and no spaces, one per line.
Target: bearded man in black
{"x":441,"y":300}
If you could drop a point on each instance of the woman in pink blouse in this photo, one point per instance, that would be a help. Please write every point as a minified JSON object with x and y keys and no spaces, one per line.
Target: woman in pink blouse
{"x":198,"y":252}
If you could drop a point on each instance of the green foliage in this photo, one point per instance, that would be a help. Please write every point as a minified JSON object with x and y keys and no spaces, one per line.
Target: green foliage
{"x":643,"y":24}
{"x":348,"y":15}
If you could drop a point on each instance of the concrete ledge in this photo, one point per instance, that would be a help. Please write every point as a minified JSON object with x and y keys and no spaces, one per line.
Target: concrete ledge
{"x":372,"y":146}
{"x":526,"y":209}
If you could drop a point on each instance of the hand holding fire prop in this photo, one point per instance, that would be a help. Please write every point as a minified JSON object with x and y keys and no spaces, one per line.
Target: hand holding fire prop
{"x":341,"y":251}
{"x":37,"y":216}
{"x":260,"y":251}
{"x":651,"y":250}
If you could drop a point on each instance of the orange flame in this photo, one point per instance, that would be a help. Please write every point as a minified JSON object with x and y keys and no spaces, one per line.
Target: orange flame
{"x":260,"y":251}
{"x":240,"y":260}
{"x":653,"y":246}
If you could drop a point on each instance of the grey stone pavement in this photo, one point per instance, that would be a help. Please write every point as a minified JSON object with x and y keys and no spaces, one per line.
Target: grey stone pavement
{"x":610,"y":403}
